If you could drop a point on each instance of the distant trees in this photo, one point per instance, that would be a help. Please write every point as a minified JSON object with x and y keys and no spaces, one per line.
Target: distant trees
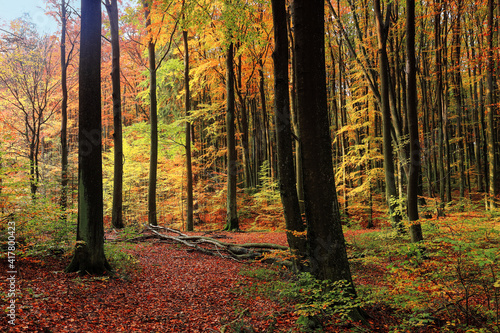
{"x":28,"y":86}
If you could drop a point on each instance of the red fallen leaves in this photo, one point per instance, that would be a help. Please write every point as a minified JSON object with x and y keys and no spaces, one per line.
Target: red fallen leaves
{"x":175,"y":291}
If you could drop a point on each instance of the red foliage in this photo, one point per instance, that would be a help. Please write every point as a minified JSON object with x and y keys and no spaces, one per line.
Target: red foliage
{"x":174,"y":291}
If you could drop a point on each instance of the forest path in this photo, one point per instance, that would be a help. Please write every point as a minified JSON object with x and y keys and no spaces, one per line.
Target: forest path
{"x":171,"y":289}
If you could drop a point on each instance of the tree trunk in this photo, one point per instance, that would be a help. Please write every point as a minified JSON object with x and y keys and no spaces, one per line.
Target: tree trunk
{"x":457,"y":94}
{"x":232,"y":167}
{"x":117,"y":210}
{"x":326,"y":244}
{"x":490,"y":130}
{"x":153,"y":118}
{"x":89,"y":250}
{"x":64,"y":114}
{"x":189,"y":169}
{"x":390,"y":180}
{"x":439,"y":106}
{"x":411,"y":107}
{"x":284,"y":137}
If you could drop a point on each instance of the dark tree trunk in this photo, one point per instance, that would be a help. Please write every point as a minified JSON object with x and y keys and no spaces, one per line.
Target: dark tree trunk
{"x":326,"y":244}
{"x":232,"y":169}
{"x":117,"y":210}
{"x":490,"y":130}
{"x":439,"y":106}
{"x":390,"y":180}
{"x":284,"y":137}
{"x":89,"y":250}
{"x":189,"y":169}
{"x":411,"y":107}
{"x":457,"y":94}
{"x":64,"y":113}
{"x":153,"y":118}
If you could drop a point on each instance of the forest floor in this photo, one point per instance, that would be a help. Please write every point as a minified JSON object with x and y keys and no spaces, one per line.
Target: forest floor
{"x":166,"y":287}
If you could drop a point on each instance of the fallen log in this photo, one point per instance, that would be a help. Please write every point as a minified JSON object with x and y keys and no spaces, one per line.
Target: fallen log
{"x":209,"y":245}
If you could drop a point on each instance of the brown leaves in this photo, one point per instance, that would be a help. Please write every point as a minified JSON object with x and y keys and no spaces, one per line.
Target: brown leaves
{"x":175,"y":291}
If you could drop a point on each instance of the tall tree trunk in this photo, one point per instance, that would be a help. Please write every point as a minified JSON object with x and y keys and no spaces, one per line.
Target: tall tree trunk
{"x":411,"y":106}
{"x":490,"y":130}
{"x":64,"y":113}
{"x":326,"y":244}
{"x":284,"y":137}
{"x":439,"y":105}
{"x":189,"y":169}
{"x":390,"y":183}
{"x":457,"y":94}
{"x":232,"y":167}
{"x":153,"y":118}
{"x":295,"y":124}
{"x":117,"y":210}
{"x":89,"y":250}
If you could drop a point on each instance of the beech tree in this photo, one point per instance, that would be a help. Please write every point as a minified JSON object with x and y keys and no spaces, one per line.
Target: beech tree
{"x":153,"y":118}
{"x":117,"y":211}
{"x":232,"y":213}
{"x":326,"y":244}
{"x":89,"y":250}
{"x":284,"y":137}
{"x":411,"y":97}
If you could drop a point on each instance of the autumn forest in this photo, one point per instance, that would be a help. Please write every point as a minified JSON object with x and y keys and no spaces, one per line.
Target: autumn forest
{"x":251,"y":166}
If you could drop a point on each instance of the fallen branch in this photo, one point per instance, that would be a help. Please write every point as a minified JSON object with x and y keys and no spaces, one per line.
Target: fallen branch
{"x":233,"y":251}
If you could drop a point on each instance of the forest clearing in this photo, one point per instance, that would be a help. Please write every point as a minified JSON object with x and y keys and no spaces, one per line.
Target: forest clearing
{"x":251,"y":166}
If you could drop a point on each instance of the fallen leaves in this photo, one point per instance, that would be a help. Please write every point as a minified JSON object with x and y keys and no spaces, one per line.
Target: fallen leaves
{"x":174,"y":291}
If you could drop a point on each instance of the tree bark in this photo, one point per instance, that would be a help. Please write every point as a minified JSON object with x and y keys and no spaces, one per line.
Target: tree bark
{"x":232,"y":168}
{"x":189,"y":169}
{"x":153,"y":118}
{"x":390,"y":180}
{"x":89,"y":251}
{"x":64,"y":113}
{"x":411,"y":107}
{"x":284,"y":137}
{"x":117,"y":210}
{"x":326,"y":244}
{"x":490,"y":129}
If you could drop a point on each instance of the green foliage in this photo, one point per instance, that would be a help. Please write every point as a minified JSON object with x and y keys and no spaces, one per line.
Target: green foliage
{"x":268,"y":191}
{"x":136,"y":151}
{"x":42,"y":230}
{"x":123,"y":263}
{"x":323,"y":298}
{"x":269,"y":282}
{"x":399,"y":205}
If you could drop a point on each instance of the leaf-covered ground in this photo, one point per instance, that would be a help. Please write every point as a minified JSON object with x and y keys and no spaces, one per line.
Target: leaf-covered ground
{"x":173,"y":290}
{"x":170,"y":288}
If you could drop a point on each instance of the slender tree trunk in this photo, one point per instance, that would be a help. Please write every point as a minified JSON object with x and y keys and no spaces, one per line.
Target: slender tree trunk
{"x":189,"y":169}
{"x":232,"y":167}
{"x":411,"y":96}
{"x":457,"y":94}
{"x":117,"y":210}
{"x":390,"y":183}
{"x":295,"y":124}
{"x":153,"y":118}
{"x":284,"y":136}
{"x":89,"y":255}
{"x":490,"y":129}
{"x":64,"y":114}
